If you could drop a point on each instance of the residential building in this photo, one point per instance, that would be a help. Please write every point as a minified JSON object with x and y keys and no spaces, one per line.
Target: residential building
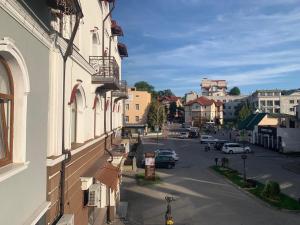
{"x":213,"y":87}
{"x":62,"y":93}
{"x":288,"y":103}
{"x":190,"y":96}
{"x":230,"y":104}
{"x":266,"y":100}
{"x":136,"y":110}
{"x":85,"y":111}
{"x":273,"y":101}
{"x":203,"y":110}
{"x":24,"y":66}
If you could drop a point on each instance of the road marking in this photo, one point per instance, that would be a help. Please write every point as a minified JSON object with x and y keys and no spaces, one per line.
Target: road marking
{"x":206,"y":182}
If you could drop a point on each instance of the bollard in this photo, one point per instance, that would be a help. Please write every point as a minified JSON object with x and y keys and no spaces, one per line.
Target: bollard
{"x":216,"y":161}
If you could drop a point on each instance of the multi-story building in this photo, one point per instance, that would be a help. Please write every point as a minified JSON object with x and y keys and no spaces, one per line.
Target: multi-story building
{"x":62,"y":100}
{"x":213,"y":87}
{"x":266,"y":100}
{"x":203,"y":110}
{"x":230,"y":104}
{"x":288,"y":103}
{"x":136,"y":110}
{"x":24,"y":69}
{"x":273,"y":101}
{"x":190,"y":96}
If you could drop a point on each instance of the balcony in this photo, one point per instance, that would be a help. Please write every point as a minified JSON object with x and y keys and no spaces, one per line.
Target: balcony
{"x":68,"y":7}
{"x":123,"y":92}
{"x":107,"y":72}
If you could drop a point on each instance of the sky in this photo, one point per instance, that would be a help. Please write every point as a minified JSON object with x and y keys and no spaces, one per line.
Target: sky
{"x":174,"y":44}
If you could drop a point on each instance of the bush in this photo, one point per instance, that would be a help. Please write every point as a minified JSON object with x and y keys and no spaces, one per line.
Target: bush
{"x":271,"y":190}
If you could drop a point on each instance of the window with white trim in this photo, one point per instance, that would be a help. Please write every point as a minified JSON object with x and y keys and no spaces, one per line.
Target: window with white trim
{"x":6,"y":113}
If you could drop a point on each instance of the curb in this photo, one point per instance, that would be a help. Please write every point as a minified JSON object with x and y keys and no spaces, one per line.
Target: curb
{"x":253,"y":196}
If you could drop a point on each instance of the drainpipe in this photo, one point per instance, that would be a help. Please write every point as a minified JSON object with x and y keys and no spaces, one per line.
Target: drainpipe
{"x":103,"y":53}
{"x":65,"y":152}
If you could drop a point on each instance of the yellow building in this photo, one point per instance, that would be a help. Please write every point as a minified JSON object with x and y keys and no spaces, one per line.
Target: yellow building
{"x":136,"y":110}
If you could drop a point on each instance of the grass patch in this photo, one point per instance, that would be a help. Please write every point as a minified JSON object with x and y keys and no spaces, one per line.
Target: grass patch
{"x":140,"y":179}
{"x":282,"y":202}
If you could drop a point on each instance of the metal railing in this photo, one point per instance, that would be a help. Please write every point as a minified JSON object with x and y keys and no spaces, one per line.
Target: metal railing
{"x":123,"y":91}
{"x":105,"y":66}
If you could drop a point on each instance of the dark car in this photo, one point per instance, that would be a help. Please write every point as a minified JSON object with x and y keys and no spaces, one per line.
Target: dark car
{"x":219,"y":144}
{"x":162,"y":161}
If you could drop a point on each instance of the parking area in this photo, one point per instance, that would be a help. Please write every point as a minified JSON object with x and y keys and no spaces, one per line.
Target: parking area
{"x":202,"y":196}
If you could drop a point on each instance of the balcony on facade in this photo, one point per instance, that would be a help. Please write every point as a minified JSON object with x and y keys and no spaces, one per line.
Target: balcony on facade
{"x":107,"y":72}
{"x":122,"y":93}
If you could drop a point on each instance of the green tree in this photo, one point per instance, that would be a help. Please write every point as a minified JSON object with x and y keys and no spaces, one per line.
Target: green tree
{"x":235,"y":91}
{"x":244,"y":111}
{"x":165,"y":93}
{"x":144,"y":86}
{"x":156,"y":115}
{"x":173,"y":109}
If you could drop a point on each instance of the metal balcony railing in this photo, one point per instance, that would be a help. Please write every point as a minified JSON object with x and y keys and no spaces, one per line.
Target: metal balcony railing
{"x":107,"y":70}
{"x":122,"y":92}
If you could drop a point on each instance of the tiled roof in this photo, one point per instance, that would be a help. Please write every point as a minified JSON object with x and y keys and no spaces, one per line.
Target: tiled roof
{"x":201,"y":101}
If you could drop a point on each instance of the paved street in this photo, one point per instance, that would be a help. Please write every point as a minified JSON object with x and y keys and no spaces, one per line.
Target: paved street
{"x":202,"y":196}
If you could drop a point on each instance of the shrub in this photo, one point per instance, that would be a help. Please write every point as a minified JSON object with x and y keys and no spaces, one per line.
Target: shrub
{"x":271,"y":190}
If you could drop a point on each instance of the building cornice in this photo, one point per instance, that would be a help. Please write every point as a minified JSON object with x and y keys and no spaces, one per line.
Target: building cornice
{"x":15,"y":10}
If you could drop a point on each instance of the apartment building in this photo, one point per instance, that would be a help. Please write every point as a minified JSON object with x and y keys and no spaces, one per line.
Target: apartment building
{"x":273,"y":101}
{"x":213,"y":87}
{"x":288,"y":103}
{"x":136,"y":110}
{"x":62,"y":92}
{"x":203,"y":110}
{"x":230,"y":104}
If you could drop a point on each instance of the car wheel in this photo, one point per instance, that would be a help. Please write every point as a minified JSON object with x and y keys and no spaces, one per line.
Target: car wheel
{"x":169,"y":166}
{"x":230,"y":152}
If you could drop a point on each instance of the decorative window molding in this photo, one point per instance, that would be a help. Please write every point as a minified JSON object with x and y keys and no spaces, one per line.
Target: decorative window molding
{"x":19,"y":71}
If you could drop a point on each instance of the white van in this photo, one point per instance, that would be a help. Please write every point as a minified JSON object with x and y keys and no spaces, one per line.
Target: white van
{"x":207,"y":138}
{"x":231,"y":148}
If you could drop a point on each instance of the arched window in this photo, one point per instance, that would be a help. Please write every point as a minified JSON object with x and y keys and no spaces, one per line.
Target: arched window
{"x":95,"y":45}
{"x":6,"y":113}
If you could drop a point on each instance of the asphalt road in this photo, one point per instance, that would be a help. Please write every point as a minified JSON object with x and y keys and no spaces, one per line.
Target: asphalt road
{"x":202,"y":197}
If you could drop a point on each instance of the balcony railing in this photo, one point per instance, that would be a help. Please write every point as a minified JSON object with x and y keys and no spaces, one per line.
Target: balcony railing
{"x":107,"y":71}
{"x":122,"y":92}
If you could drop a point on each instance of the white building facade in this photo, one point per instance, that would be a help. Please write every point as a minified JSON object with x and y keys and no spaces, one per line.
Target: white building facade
{"x":62,"y":96}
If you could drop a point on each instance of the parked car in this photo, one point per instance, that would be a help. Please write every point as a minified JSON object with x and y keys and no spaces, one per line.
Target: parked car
{"x":207,"y":138}
{"x":183,"y":135}
{"x":167,"y":152}
{"x":193,"y":134}
{"x":231,"y":148}
{"x":162,"y":161}
{"x":219,"y":144}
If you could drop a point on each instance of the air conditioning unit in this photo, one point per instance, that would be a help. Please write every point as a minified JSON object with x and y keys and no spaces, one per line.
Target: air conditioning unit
{"x":67,"y":219}
{"x":94,"y":196}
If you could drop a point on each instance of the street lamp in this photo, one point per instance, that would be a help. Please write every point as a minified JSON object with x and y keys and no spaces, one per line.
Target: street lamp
{"x":244,"y":157}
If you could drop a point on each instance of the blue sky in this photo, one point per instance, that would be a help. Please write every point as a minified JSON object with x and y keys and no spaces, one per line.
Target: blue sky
{"x":253,"y":44}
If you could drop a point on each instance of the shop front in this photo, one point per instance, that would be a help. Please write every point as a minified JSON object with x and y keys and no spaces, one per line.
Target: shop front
{"x":267,"y":137}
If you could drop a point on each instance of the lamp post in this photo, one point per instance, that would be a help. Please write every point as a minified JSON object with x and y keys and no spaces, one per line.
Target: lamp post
{"x":244,"y":157}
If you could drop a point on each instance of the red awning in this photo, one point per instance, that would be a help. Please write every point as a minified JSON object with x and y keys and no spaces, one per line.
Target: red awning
{"x":122,"y":50}
{"x":109,"y":175}
{"x":116,"y":30}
